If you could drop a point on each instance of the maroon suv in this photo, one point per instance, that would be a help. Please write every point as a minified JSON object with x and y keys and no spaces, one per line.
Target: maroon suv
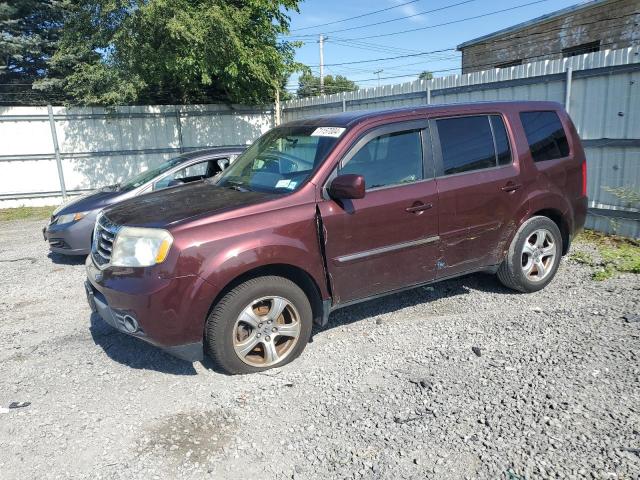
{"x":328,"y":211}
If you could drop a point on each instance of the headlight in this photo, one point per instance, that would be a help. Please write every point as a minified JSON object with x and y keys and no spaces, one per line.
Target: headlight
{"x":71,"y":217}
{"x":140,"y":247}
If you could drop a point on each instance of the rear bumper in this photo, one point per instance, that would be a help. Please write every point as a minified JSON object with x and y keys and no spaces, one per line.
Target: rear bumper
{"x":167,"y":313}
{"x":579,"y":215}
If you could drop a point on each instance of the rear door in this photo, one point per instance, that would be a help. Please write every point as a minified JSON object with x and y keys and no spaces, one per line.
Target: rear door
{"x":479,"y":190}
{"x":388,"y":239}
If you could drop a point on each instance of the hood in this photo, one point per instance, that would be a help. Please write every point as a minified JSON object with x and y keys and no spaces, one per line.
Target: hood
{"x":90,"y":201}
{"x":171,"y":205}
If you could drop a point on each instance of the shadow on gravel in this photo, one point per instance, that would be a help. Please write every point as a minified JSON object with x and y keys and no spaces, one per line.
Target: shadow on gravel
{"x":391,"y":303}
{"x":135,"y":353}
{"x":59,"y":259}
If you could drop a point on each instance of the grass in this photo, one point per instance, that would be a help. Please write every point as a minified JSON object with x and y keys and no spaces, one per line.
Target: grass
{"x":616,"y":255}
{"x":26,"y":213}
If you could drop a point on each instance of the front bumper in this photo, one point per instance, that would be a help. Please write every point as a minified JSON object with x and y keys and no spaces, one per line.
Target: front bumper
{"x":70,"y":238}
{"x":168,"y":313}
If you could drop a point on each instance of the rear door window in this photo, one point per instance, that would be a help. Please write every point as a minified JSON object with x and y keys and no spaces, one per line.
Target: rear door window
{"x":466,"y":144}
{"x":545,"y":134}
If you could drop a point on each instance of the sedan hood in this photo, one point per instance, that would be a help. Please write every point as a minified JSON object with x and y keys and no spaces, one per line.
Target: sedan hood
{"x":165,"y":207}
{"x":90,"y":201}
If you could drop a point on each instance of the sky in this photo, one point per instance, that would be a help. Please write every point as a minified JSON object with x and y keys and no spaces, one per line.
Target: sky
{"x":348,"y":47}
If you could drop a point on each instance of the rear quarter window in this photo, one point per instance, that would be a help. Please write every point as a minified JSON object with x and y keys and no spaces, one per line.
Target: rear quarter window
{"x":545,"y":135}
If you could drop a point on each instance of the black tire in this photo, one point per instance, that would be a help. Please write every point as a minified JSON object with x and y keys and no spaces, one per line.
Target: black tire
{"x":511,"y":274}
{"x":219,"y":329}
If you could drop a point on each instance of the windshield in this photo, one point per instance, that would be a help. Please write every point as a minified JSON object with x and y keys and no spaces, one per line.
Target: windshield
{"x":147,"y":175}
{"x":281,"y":160}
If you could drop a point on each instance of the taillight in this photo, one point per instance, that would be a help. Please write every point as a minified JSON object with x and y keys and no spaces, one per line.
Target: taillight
{"x":584,"y":178}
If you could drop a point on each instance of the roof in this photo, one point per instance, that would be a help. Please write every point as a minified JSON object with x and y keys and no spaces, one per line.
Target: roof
{"x":351,"y":118}
{"x":537,"y":20}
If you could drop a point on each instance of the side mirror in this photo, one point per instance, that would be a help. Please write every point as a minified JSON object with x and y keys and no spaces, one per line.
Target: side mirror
{"x":223,"y":163}
{"x":348,"y":186}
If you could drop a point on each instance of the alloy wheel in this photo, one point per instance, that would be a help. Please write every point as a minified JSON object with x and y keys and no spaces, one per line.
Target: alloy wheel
{"x":266,"y":331}
{"x":538,"y":255}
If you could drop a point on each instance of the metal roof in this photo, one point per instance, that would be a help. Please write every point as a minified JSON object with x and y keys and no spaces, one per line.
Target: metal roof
{"x":534,"y":21}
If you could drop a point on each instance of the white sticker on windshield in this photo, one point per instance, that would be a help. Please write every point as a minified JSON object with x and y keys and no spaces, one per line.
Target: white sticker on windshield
{"x":283,"y":183}
{"x":292,"y":185}
{"x":328,"y":132}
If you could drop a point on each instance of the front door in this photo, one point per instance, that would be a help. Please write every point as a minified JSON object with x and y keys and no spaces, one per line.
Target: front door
{"x":388,"y":239}
{"x":479,"y":191}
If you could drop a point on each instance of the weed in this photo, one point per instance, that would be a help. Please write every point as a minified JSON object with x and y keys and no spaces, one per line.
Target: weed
{"x":26,"y":213}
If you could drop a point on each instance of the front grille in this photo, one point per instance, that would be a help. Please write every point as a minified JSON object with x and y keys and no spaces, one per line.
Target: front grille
{"x":104,"y":234}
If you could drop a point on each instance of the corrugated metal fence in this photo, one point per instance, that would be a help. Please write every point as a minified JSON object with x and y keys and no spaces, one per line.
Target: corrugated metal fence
{"x":93,"y":147}
{"x":601,"y":91}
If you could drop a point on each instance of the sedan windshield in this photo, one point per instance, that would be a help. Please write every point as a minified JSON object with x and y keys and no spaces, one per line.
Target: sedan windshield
{"x":281,"y":160}
{"x":148,"y":175}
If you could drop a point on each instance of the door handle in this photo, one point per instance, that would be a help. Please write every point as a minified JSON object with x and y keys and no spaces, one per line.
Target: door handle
{"x":511,"y":187}
{"x":418,"y":207}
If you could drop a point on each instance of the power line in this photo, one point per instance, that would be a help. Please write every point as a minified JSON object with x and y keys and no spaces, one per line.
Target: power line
{"x":496,"y":41}
{"x":388,"y":58}
{"x":357,"y":16}
{"x":371,"y":46}
{"x":495,"y":12}
{"x":446,"y":7}
{"x":492,"y":64}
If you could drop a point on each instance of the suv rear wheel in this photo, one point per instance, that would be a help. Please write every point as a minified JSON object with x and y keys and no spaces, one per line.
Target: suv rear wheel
{"x":533,"y":257}
{"x":262,"y":323}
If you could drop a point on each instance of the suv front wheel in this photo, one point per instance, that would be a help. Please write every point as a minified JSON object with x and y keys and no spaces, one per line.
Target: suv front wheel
{"x":262,"y":323}
{"x":533,"y":257}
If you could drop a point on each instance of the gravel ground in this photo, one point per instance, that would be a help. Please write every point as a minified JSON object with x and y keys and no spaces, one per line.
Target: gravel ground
{"x":391,"y":389}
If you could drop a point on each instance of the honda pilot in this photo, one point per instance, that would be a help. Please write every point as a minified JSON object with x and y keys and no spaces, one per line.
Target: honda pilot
{"x":331,"y":210}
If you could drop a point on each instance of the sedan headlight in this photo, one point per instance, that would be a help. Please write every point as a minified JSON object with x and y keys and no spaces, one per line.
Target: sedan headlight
{"x":140,"y":247}
{"x":71,"y":217}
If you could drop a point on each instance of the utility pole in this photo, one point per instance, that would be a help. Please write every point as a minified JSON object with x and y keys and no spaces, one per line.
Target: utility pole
{"x":321,"y":41}
{"x":277,"y":120}
{"x":378,"y":72}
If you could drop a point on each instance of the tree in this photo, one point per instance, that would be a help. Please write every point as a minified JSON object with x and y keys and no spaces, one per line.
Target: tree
{"x":30,"y":34}
{"x":172,"y":51}
{"x":425,"y":75}
{"x":309,"y":84}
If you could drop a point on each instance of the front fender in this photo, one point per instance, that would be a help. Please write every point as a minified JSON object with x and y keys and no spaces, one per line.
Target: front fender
{"x":220,"y":252}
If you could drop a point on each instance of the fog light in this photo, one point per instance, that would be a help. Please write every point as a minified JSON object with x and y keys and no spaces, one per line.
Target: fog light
{"x":130,"y":324}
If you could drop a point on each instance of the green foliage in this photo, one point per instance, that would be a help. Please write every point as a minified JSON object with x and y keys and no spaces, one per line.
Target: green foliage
{"x":30,"y":33}
{"x":630,"y":196}
{"x":624,"y":257}
{"x":582,"y":258}
{"x":615,"y":255}
{"x":26,"y":213}
{"x":309,"y":84}
{"x":425,"y":75}
{"x":113,"y":52}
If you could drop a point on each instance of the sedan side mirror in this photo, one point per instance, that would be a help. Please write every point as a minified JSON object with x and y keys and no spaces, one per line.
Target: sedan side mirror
{"x":348,"y":186}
